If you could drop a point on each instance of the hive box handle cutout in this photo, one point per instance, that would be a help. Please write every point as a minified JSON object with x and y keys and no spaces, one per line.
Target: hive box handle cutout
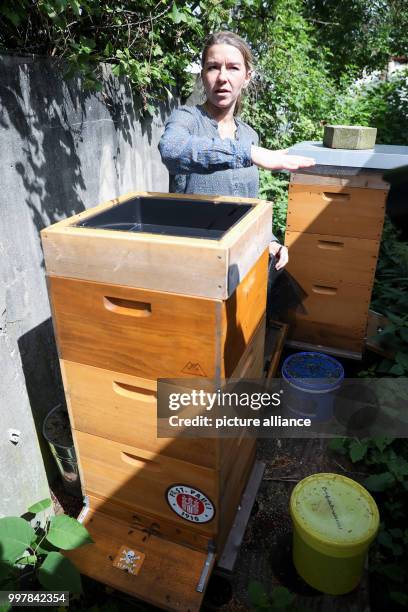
{"x":336,"y":197}
{"x":127,"y":307}
{"x":138,"y":461}
{"x":330,"y":245}
{"x":324,"y":290}
{"x":136,"y":393}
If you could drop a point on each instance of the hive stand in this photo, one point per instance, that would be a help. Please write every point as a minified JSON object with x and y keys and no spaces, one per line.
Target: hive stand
{"x":141,"y":287}
{"x":334,"y":224}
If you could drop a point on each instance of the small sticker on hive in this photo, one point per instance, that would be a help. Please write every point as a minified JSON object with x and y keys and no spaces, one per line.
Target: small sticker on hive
{"x":129,"y":560}
{"x":190,"y":503}
{"x":194,"y":369}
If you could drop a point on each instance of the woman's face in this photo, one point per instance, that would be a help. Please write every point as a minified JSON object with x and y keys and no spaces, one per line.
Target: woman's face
{"x":224,"y":75}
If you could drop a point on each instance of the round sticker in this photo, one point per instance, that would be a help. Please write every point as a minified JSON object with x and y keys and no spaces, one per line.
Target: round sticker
{"x":190,"y":503}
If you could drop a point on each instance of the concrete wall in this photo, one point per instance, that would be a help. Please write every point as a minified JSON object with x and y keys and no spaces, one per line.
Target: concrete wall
{"x":62,"y":150}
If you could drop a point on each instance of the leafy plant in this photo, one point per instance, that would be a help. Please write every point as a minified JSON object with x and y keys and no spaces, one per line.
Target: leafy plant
{"x":28,"y":552}
{"x":390,"y":298}
{"x":386,"y":460}
{"x":279,"y":600}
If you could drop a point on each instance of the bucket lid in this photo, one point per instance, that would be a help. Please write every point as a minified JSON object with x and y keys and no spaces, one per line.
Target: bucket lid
{"x":334,"y":514}
{"x":312,"y":370}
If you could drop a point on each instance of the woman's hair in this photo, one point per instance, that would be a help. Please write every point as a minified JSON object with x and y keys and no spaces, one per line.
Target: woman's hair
{"x":229,"y":38}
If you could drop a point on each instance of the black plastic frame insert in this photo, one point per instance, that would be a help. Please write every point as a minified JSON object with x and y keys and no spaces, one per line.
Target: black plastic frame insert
{"x":170,"y":217}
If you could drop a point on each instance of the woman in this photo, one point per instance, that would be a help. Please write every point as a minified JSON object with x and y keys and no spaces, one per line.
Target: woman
{"x":207,"y":148}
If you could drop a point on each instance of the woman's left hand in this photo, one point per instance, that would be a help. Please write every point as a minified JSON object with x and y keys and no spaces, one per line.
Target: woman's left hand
{"x":281,"y":253}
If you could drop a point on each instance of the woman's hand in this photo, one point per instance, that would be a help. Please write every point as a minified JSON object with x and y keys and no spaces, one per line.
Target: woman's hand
{"x":281,"y":253}
{"x":279,"y":160}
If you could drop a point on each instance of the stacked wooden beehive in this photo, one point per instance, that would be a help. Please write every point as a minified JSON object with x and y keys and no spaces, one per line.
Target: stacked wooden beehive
{"x":334,"y":227}
{"x":173,"y":298}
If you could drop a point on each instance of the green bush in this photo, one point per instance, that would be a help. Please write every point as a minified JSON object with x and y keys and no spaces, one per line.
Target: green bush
{"x":33,"y":553}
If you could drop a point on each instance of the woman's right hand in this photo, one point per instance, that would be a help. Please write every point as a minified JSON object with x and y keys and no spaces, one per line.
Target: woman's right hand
{"x":279,"y":160}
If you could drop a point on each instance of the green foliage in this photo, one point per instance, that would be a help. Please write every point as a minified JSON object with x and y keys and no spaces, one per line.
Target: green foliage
{"x":294,"y":89}
{"x":65,"y":532}
{"x":57,"y":573}
{"x":40,"y":506}
{"x":279,"y":600}
{"x":15,"y":536}
{"x":275,"y":187}
{"x":151,"y":42}
{"x":304,"y":49}
{"x":387,"y":461}
{"x":25,"y":551}
{"x":359,"y":33}
{"x":390,"y":297}
{"x":377,"y":102}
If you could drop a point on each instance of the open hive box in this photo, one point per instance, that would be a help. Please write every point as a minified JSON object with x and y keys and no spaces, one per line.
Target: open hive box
{"x":156,"y":286}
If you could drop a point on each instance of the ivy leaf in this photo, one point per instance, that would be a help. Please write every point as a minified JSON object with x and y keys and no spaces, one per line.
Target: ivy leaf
{"x":108,"y":49}
{"x":382,"y":443}
{"x":175,"y":14}
{"x":15,"y":536}
{"x":116,"y":70}
{"x":379,"y":482}
{"x":76,"y":7}
{"x":65,"y":532}
{"x":338,"y":445}
{"x":398,"y":466}
{"x":57,"y":573}
{"x":40,"y":506}
{"x":358,"y":450}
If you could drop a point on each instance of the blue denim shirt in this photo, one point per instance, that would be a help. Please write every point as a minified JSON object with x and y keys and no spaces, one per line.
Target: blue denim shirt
{"x":199,"y":161}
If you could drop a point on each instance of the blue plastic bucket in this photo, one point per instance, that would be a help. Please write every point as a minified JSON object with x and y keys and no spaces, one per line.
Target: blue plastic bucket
{"x":309,"y":381}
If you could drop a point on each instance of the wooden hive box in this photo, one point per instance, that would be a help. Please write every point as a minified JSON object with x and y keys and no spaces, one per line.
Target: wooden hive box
{"x":143,"y":287}
{"x":334,"y":225}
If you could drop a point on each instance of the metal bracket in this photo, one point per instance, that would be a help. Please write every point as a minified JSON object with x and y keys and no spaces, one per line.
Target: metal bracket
{"x":205,"y":573}
{"x":84,"y":511}
{"x":236,"y":535}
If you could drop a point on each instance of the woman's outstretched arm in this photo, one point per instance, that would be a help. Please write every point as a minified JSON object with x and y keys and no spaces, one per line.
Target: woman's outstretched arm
{"x":183,"y":152}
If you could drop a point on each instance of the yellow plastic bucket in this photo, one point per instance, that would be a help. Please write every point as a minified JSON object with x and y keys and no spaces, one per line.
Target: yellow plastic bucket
{"x":335,"y":519}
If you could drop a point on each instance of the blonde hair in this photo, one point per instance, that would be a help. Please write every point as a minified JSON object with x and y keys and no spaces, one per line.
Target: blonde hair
{"x":229,"y":38}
